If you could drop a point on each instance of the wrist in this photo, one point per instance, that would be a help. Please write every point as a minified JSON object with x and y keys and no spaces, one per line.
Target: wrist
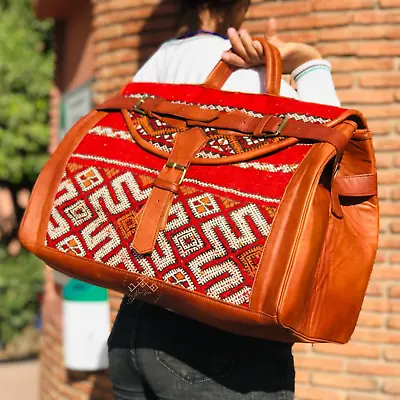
{"x":309,"y":67}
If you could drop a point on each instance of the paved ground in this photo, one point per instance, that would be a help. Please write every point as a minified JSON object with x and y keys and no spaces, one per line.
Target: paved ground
{"x":19,"y":380}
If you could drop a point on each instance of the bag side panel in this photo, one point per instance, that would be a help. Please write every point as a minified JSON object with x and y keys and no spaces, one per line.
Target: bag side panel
{"x":348,"y":257}
{"x":283,"y":242}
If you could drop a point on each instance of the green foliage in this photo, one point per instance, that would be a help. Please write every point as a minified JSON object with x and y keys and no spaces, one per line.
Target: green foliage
{"x":21,"y":280}
{"x":26,"y":67}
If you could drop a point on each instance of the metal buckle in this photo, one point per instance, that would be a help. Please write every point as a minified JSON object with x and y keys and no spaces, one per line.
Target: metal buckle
{"x":279,"y":129}
{"x":136,"y":108}
{"x":179,"y":167}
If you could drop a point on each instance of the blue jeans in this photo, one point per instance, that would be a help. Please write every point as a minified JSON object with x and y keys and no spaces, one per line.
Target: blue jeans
{"x":156,"y":354}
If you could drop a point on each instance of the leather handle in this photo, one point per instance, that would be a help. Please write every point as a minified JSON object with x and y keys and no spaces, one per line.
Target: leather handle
{"x":273,"y":70}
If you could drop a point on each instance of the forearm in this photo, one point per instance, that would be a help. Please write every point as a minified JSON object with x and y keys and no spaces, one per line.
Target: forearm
{"x":314,"y":83}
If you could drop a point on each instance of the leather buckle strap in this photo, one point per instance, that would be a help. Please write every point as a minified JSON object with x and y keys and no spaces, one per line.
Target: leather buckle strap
{"x":155,"y":212}
{"x":179,"y":167}
{"x":155,"y":105}
{"x":260,"y":130}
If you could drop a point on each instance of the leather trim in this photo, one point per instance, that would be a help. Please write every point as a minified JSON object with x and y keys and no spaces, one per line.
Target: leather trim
{"x":221,"y":315}
{"x":35,"y":221}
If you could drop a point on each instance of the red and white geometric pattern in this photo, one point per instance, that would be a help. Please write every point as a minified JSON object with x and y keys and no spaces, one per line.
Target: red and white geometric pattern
{"x":218,"y":223}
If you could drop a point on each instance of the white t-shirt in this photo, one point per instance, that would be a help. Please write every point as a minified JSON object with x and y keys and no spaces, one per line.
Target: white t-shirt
{"x":191,"y":60}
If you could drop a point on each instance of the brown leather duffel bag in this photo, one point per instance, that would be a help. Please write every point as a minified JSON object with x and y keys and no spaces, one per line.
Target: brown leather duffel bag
{"x":257,"y":214}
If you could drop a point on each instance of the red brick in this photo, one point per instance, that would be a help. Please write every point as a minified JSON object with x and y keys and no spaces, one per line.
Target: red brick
{"x":378,"y":48}
{"x":389,"y":241}
{"x":352,"y":64}
{"x":394,"y":291}
{"x":394,"y":306}
{"x":268,"y":10}
{"x":391,"y":386}
{"x":371,"y":319}
{"x":394,"y":258}
{"x":352,"y":350}
{"x":302,"y":36}
{"x":311,"y":21}
{"x":138,"y":13}
{"x":393,"y":323}
{"x":389,"y":3}
{"x":392,"y":354}
{"x":384,"y":111}
{"x":342,"y":4}
{"x":337,"y":49}
{"x":365,"y":396}
{"x":389,"y":208}
{"x":377,"y":17}
{"x":384,"y":272}
{"x":380,"y":127}
{"x":384,"y":160}
{"x":343,"y":80}
{"x":353,"y":32}
{"x":382,"y":79}
{"x":384,"y":192}
{"x":313,"y":393}
{"x":366,"y":96}
{"x":381,"y":257}
{"x":318,"y":363}
{"x":374,"y":368}
{"x":395,"y":227}
{"x":391,"y":143}
{"x":302,"y":376}
{"x":301,"y":348}
{"x":343,"y":381}
{"x":375,"y":304}
{"x":376,"y":336}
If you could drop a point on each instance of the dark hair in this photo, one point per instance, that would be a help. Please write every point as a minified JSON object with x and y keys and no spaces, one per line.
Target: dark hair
{"x":214,"y":5}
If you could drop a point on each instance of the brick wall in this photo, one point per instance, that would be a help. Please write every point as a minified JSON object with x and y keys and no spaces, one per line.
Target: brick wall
{"x":362,"y":40}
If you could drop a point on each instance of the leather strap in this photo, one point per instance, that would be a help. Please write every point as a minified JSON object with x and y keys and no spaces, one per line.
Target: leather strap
{"x":347,"y":129}
{"x":244,"y":123}
{"x":232,"y":121}
{"x":159,"y":106}
{"x":273,"y":70}
{"x":155,"y":213}
{"x":356,"y":185}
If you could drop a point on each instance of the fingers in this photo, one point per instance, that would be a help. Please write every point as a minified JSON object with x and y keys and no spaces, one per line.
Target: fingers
{"x":243,"y":46}
{"x":259,"y":48}
{"x":271,"y":33}
{"x":234,"y":60}
{"x":252,"y":54}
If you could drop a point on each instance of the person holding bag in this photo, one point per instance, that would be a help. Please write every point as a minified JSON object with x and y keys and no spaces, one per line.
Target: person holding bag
{"x":155,"y":353}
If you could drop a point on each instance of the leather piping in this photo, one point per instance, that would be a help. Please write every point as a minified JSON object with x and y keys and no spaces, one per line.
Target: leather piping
{"x":209,"y":161}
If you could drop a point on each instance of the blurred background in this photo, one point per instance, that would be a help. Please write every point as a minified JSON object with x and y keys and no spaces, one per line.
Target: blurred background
{"x":59,"y":58}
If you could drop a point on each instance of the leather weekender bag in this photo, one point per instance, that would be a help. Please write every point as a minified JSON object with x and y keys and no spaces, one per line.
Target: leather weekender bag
{"x":253,"y":213}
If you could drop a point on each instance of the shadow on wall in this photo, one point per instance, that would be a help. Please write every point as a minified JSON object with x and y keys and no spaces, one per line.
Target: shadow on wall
{"x":158,"y":27}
